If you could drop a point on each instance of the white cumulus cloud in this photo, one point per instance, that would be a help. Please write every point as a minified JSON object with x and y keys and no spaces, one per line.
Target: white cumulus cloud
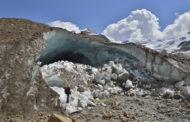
{"x":142,"y":26}
{"x":139,"y":26}
{"x":65,"y":25}
{"x":180,"y":26}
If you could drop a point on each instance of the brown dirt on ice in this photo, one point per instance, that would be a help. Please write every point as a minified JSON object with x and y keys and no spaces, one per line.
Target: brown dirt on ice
{"x":12,"y":30}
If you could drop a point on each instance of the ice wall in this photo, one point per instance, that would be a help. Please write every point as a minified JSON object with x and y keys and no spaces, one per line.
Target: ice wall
{"x":63,"y":45}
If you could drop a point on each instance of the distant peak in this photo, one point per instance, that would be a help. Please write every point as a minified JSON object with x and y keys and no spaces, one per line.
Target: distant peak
{"x":89,"y":31}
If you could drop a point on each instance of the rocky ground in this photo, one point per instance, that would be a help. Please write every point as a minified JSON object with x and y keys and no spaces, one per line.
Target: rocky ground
{"x":120,"y":108}
{"x":125,"y":108}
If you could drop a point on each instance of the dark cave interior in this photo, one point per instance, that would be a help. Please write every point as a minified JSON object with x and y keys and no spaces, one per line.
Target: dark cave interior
{"x":71,"y":56}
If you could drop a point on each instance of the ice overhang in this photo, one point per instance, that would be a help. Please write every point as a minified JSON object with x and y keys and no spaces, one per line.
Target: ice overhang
{"x":78,"y":48}
{"x":63,"y":45}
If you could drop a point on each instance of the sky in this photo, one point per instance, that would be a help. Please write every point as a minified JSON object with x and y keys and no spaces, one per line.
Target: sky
{"x":94,"y":14}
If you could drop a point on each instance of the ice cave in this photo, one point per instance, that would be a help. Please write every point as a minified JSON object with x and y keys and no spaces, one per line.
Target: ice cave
{"x":63,"y":45}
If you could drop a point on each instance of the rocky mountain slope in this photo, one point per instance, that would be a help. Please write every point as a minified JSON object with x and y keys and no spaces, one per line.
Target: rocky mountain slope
{"x":35,"y":69}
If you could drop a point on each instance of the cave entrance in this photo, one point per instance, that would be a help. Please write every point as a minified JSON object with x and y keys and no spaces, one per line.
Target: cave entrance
{"x":72,"y":56}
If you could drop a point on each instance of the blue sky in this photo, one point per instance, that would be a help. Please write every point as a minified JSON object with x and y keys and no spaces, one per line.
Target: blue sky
{"x":95,"y":14}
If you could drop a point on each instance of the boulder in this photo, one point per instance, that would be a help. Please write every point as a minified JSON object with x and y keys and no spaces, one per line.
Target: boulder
{"x":166,"y":92}
{"x":179,"y":84}
{"x":123,"y":76}
{"x":107,"y":77}
{"x":92,"y":71}
{"x":98,"y":78}
{"x":186,"y":91}
{"x":128,"y":84}
{"x":81,"y":88}
{"x":114,"y":90}
{"x":101,"y":82}
{"x":114,"y":76}
{"x":58,"y":118}
{"x":97,"y":94}
{"x":117,"y":68}
{"x":140,"y":92}
{"x":105,"y":93}
{"x":106,"y":71}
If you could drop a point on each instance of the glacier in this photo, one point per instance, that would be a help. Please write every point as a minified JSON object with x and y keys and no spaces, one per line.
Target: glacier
{"x":78,"y":48}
